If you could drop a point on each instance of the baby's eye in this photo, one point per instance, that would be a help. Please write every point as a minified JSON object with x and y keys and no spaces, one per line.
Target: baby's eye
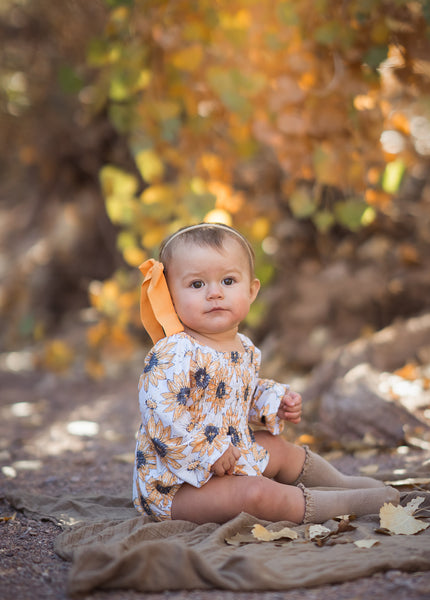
{"x":197,"y":284}
{"x":228,"y":281}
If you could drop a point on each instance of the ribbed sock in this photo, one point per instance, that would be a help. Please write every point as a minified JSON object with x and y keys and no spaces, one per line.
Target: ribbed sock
{"x":317,"y":472}
{"x":321,"y":505}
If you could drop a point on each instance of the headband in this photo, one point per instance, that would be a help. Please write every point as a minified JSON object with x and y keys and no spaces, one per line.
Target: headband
{"x":216,"y":226}
{"x":157,"y":312}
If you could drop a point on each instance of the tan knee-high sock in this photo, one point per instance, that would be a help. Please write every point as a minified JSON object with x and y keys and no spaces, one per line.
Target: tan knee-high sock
{"x":321,"y":505}
{"x":317,"y":472}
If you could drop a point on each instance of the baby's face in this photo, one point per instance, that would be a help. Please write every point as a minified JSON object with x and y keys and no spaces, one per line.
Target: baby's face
{"x":211,"y":288}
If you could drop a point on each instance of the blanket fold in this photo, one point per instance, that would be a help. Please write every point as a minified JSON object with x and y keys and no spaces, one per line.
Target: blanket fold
{"x":111,"y":547}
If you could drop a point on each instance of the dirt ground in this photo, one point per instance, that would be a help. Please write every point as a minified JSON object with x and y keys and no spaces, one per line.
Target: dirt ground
{"x":64,"y":433}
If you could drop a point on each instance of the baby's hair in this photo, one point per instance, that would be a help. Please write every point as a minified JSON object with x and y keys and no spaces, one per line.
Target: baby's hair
{"x":205,"y":234}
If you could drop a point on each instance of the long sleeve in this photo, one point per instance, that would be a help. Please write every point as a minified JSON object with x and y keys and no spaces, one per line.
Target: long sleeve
{"x":173,"y":437}
{"x":265,"y":404}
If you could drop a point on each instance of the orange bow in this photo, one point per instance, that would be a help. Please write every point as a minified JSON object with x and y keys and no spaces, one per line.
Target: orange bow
{"x":156,"y":307}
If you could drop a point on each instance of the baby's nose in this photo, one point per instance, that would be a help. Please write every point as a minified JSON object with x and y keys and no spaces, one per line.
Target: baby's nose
{"x":214,"y":291}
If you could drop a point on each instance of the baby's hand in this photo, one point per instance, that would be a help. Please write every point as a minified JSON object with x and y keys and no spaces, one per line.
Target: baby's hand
{"x":226,"y":463}
{"x":290,"y":407}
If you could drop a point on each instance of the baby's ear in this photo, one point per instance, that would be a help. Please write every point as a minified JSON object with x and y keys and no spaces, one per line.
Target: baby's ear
{"x":255,"y":287}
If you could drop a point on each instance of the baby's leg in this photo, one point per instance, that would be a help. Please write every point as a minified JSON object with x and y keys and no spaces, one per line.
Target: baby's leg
{"x":222,"y":498}
{"x":293,"y":465}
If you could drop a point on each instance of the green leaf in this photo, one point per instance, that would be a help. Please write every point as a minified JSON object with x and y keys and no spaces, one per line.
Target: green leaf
{"x":231,"y":86}
{"x":122,"y":116}
{"x":302,"y":203}
{"x":349,"y":213}
{"x":327,"y":33}
{"x":69,"y":81}
{"x":99,"y":53}
{"x":287,"y":14}
{"x":116,"y":3}
{"x":324,"y":220}
{"x":375,"y":56}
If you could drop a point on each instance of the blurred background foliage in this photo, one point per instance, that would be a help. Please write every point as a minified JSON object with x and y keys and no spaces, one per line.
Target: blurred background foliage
{"x":305,"y":124}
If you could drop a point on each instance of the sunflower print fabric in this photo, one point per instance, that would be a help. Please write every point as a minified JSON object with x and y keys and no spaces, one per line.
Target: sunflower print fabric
{"x":194,"y":402}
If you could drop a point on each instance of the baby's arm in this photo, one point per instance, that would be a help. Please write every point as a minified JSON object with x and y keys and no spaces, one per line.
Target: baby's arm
{"x":225,"y":464}
{"x":290,"y":407}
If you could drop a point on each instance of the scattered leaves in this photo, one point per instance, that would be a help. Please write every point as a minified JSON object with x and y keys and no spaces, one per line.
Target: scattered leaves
{"x":399,"y":520}
{"x":320,"y":534}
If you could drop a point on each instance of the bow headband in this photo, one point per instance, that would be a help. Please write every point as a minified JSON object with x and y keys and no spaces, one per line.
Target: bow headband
{"x":157,"y":312}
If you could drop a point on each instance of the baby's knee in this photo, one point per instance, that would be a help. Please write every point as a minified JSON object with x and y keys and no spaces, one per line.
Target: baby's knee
{"x":256,"y":495}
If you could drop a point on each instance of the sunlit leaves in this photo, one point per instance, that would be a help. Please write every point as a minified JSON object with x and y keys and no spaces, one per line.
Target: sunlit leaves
{"x":119,"y":189}
{"x":202,"y":95}
{"x":232,"y":62}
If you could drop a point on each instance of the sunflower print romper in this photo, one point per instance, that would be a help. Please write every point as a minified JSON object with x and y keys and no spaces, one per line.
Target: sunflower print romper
{"x":194,"y":402}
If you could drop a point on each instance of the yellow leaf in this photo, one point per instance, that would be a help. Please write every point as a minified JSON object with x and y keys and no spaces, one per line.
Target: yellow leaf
{"x":153,"y":237}
{"x":188,"y":59}
{"x":116,"y":182}
{"x":400,"y":520}
{"x":264,"y":535}
{"x":239,"y":20}
{"x":260,"y":228}
{"x":134,"y":256}
{"x":165,"y":109}
{"x":150,"y":165}
{"x":158,"y":194}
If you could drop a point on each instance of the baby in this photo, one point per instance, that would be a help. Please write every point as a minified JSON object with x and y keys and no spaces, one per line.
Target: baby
{"x":197,"y":458}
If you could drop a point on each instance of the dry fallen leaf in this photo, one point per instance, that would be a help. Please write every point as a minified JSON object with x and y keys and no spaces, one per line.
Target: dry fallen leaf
{"x":5,"y":519}
{"x":264,"y":535}
{"x":400,"y":520}
{"x":366,"y":543}
{"x":314,"y":532}
{"x":412,"y":506}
